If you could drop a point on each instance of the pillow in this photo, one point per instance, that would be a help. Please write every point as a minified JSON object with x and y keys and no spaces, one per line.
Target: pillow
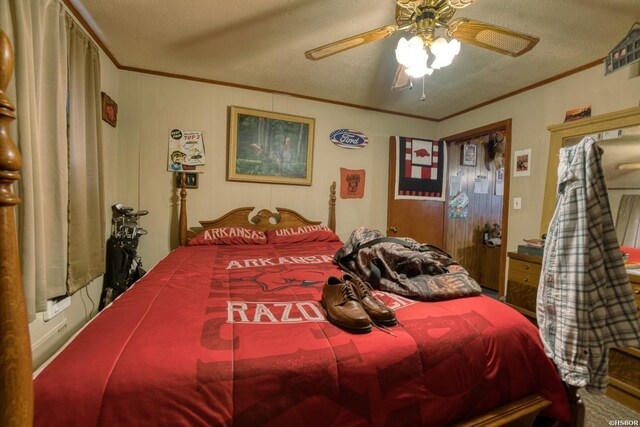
{"x":306,"y":233}
{"x":229,"y":236}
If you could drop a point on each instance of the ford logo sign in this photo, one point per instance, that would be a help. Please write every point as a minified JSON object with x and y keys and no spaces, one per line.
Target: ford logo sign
{"x":348,"y":138}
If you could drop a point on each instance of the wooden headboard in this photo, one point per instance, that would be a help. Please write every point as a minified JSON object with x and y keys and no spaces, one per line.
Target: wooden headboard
{"x":263,"y":220}
{"x":16,"y":390}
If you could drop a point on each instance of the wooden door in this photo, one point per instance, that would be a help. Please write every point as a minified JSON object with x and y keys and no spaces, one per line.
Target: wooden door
{"x":422,"y":220}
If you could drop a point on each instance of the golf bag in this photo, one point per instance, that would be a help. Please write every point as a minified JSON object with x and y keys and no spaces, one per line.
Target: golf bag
{"x":123,"y":265}
{"x":123,"y":268}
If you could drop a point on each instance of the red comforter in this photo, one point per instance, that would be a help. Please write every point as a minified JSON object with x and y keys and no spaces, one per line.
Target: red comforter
{"x":234,"y":335}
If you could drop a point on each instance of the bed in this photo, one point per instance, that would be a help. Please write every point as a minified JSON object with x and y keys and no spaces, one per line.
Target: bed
{"x":228,"y":330}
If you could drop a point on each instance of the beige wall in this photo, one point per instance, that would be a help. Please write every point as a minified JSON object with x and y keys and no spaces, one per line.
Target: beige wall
{"x":532,"y":112}
{"x":152,"y":105}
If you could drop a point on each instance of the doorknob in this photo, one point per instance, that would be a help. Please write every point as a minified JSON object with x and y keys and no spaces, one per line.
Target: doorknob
{"x":393,"y":229}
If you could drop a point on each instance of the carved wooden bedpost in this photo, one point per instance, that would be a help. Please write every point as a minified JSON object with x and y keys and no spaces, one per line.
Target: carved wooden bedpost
{"x":332,"y":206}
{"x":16,"y":390}
{"x":182,"y":222}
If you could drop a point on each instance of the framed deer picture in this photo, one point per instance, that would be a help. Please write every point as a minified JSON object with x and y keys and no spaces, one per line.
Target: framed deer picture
{"x":269,"y":147}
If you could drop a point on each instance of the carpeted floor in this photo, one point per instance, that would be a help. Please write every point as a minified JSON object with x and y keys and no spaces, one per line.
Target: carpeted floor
{"x":601,"y":411}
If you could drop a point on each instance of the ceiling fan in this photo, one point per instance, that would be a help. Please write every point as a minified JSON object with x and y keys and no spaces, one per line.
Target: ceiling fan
{"x":422,"y":18}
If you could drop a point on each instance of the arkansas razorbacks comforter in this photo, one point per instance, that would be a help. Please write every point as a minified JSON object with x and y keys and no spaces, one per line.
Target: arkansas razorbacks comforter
{"x":235,"y":335}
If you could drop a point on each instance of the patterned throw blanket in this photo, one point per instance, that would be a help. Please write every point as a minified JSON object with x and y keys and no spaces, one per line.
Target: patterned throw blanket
{"x":405,"y":267}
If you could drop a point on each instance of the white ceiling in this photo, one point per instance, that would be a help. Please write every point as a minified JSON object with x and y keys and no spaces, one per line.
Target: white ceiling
{"x":262,"y":44}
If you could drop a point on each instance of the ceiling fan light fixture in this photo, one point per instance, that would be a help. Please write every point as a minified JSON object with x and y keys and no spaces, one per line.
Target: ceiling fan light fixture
{"x":411,"y":53}
{"x":444,"y":52}
{"x":420,"y":70}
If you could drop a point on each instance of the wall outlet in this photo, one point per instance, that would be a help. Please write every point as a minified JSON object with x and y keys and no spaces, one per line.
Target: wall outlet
{"x":517,"y":203}
{"x":56,"y":306}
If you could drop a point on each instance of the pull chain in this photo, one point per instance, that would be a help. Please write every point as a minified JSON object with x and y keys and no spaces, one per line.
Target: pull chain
{"x":423,"y":97}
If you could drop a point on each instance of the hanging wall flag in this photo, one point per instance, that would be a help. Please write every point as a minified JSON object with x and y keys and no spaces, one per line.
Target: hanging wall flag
{"x":420,"y":169}
{"x":352,"y":183}
{"x":186,"y":150}
{"x":348,"y":138}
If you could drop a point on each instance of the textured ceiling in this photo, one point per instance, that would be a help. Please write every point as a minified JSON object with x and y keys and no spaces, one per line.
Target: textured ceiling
{"x":262,"y":44}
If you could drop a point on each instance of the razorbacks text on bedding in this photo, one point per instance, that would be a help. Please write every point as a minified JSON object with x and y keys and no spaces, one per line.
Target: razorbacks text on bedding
{"x":261,"y":262}
{"x":294,"y":311}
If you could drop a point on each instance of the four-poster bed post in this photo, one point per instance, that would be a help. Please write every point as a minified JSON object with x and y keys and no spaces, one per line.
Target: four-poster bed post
{"x":16,"y":390}
{"x":182,"y":220}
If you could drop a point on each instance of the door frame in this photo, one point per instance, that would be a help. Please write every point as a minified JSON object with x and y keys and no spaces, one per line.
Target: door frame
{"x":483,"y":130}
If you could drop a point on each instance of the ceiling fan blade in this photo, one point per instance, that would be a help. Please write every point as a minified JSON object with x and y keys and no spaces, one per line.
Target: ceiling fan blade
{"x":351,"y":42}
{"x":492,"y":37}
{"x":401,"y":80}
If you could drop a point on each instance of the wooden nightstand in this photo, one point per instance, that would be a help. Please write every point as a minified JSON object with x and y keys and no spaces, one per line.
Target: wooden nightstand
{"x":522,"y":283}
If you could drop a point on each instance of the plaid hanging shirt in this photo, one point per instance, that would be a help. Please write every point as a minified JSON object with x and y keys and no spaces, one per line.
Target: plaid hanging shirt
{"x":585,"y":302}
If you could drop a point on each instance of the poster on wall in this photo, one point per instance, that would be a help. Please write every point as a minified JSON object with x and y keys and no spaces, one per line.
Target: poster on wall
{"x":186,"y":151}
{"x":522,"y":159}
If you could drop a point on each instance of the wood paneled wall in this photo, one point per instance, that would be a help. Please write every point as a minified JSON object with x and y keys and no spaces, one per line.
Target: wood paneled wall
{"x":464,"y":235}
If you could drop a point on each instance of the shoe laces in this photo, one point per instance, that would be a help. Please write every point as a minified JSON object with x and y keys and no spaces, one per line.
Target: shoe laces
{"x":363,"y":286}
{"x":383,"y":328}
{"x":347,"y":293}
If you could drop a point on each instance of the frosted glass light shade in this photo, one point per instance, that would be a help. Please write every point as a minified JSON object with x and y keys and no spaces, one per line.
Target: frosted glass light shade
{"x":411,"y":53}
{"x":444,"y":52}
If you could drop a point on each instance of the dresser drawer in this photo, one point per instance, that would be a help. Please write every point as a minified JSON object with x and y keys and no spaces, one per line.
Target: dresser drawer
{"x":525,"y":277}
{"x":522,"y":295}
{"x":624,"y":365}
{"x":517,"y":265}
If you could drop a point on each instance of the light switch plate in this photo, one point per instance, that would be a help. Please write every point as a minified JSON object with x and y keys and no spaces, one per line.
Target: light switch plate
{"x":517,"y":203}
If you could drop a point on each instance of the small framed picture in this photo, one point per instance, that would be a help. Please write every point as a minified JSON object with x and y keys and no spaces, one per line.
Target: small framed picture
{"x":522,"y":159}
{"x":191,"y":180}
{"x":468,"y":155}
{"x":109,"y":110}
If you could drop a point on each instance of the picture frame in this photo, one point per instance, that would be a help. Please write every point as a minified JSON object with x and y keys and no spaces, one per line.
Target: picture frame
{"x":469,"y":155}
{"x":522,"y":162}
{"x":269,"y":147}
{"x":190,"y":177}
{"x":109,"y":110}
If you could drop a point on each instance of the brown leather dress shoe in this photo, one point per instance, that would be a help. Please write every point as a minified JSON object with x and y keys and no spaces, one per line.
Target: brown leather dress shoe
{"x":342,"y":306}
{"x":378,"y":311}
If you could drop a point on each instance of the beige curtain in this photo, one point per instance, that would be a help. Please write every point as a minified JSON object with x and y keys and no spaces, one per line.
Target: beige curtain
{"x":61,"y":226}
{"x":86,"y":193}
{"x":37,"y":31}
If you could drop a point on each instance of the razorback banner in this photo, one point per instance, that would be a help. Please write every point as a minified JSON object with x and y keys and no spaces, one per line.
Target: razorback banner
{"x":420,"y":169}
